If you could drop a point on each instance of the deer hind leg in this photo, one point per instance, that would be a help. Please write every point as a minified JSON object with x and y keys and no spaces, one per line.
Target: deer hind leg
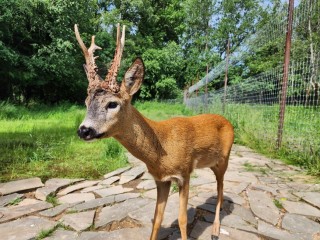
{"x":219,"y":171}
{"x":183,"y":217}
{"x":163,"y":189}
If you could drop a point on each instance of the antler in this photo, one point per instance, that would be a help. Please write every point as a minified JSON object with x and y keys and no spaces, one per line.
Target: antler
{"x":91,"y":68}
{"x":111,"y":78}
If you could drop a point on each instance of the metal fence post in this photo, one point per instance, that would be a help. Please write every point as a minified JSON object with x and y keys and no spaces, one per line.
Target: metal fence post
{"x":226,"y":78}
{"x":283,"y":96}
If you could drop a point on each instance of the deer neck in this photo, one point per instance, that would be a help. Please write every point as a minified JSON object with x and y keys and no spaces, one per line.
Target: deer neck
{"x":141,"y":138}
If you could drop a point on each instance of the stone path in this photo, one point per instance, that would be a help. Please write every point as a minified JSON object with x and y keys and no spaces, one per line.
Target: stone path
{"x":264,"y":199}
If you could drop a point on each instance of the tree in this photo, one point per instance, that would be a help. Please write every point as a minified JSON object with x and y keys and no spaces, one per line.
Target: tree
{"x":38,"y":57}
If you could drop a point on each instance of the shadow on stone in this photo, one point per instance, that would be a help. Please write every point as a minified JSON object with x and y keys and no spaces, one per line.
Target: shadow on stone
{"x":209,"y":207}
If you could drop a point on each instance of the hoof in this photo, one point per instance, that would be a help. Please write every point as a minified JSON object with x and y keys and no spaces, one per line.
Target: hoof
{"x":213,"y":237}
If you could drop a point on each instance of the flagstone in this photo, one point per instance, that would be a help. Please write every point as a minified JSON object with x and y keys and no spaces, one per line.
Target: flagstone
{"x":300,"y":224}
{"x":263,"y":207}
{"x":132,"y":174}
{"x":125,"y":196}
{"x":7,"y":199}
{"x":301,"y":208}
{"x":119,"y":211}
{"x":272,"y":232}
{"x":147,"y":185}
{"x":91,"y":189}
{"x":20,"y":211}
{"x":78,"y":221}
{"x":117,"y":172}
{"x":311,"y":197}
{"x":76,"y":187}
{"x":95,"y":203}
{"x":25,"y":228}
{"x":20,"y":185}
{"x":52,"y":186}
{"x":132,"y":234}
{"x":63,"y":235}
{"x":109,"y":180}
{"x":76,"y":197}
{"x":147,"y":176}
{"x":105,"y":192}
{"x":52,"y":212}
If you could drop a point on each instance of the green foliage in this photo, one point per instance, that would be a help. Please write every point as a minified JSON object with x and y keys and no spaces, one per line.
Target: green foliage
{"x":48,"y":232}
{"x":278,"y":203}
{"x":15,"y":201}
{"x":38,"y":59}
{"x":166,"y":89}
{"x":51,"y":198}
{"x":162,"y":65}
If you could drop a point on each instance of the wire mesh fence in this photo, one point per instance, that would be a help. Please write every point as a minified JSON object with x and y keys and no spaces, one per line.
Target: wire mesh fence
{"x":252,"y":102}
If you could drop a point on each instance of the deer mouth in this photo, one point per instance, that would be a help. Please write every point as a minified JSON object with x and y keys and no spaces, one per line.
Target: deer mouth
{"x":88,"y":134}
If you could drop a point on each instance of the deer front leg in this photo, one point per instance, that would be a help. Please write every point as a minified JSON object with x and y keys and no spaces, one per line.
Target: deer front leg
{"x":163,"y":189}
{"x":183,"y":217}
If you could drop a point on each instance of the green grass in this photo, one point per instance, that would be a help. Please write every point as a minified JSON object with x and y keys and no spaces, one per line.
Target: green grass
{"x":277,"y":203}
{"x":41,"y":141}
{"x":51,"y":198}
{"x":256,"y":126}
{"x":48,"y":232}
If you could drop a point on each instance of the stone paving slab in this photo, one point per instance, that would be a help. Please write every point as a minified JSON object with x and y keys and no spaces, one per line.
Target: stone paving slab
{"x":109,"y":180}
{"x":5,"y":200}
{"x":112,"y":211}
{"x":63,"y":235}
{"x":77,"y":187}
{"x":52,"y":212}
{"x":17,"y":212}
{"x":300,"y":224}
{"x":301,"y":208}
{"x":91,"y":189}
{"x":132,"y":174}
{"x":132,"y":234}
{"x":117,"y":172}
{"x":263,"y":207}
{"x":76,"y":197}
{"x":51,"y":186}
{"x":112,"y":191}
{"x":20,"y":185}
{"x":147,"y":185}
{"x":25,"y":228}
{"x":272,"y":232}
{"x":118,"y":212}
{"x":92,"y":204}
{"x":311,"y":197}
{"x":78,"y":221}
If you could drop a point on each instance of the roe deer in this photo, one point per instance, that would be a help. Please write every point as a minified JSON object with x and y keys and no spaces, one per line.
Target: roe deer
{"x":171,"y":149}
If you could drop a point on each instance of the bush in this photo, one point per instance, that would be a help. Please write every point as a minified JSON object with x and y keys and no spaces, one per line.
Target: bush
{"x":167,"y":89}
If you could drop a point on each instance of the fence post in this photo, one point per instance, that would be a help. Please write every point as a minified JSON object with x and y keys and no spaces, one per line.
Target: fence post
{"x":226,"y":78}
{"x":283,"y":96}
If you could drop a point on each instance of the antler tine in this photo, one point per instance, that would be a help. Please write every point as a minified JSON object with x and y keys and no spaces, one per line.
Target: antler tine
{"x":111,"y":78}
{"x":82,"y":46}
{"x":90,"y":66}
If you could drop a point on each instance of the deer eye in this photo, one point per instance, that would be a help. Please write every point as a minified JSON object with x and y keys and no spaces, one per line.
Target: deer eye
{"x":112,"y":105}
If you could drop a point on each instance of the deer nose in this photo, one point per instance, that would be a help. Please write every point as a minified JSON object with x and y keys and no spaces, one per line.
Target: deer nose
{"x":86,"y":132}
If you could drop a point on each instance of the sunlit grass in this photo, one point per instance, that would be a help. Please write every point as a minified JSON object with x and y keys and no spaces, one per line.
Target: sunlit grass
{"x":41,"y":141}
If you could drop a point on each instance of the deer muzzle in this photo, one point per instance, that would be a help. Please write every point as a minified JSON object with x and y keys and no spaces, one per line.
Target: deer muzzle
{"x":88,"y":133}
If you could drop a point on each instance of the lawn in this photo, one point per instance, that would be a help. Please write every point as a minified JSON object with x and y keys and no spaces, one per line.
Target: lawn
{"x":41,"y":141}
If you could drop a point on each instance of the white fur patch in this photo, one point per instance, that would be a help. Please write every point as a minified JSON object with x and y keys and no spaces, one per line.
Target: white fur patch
{"x":178,"y":178}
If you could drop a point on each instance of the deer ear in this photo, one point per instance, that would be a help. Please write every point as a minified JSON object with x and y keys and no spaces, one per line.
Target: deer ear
{"x":133,"y":77}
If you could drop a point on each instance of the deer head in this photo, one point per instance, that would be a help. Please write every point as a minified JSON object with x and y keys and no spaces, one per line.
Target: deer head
{"x":108,"y":103}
